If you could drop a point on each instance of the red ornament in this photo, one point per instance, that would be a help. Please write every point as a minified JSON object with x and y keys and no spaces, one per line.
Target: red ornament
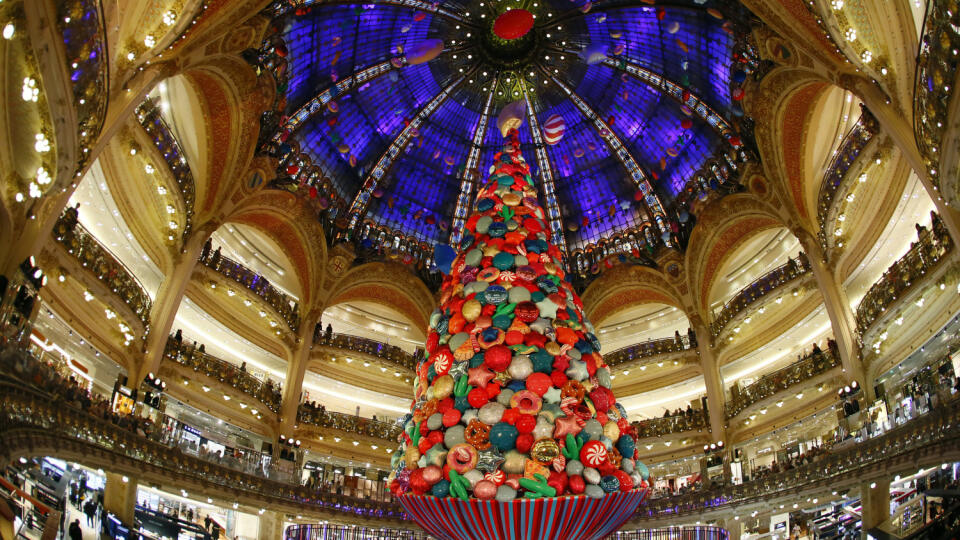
{"x":513,"y":24}
{"x":686,"y":123}
{"x":498,"y":357}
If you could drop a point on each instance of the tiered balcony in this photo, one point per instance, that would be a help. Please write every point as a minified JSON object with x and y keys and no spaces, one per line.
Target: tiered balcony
{"x":33,"y":420}
{"x":148,"y":114}
{"x":388,"y":353}
{"x":924,"y":256}
{"x":649,"y":351}
{"x":934,"y":93}
{"x":388,"y":431}
{"x":761,"y":288}
{"x":931,"y":439}
{"x":224,"y":372}
{"x":836,"y":181}
{"x":783,"y":379}
{"x":671,"y":425}
{"x":286,"y":307}
{"x":107,"y":268}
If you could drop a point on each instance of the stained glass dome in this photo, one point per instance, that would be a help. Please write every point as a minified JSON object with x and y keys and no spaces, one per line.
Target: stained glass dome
{"x":645,"y":97}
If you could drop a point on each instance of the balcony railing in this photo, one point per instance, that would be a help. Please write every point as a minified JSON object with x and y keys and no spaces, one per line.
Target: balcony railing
{"x":668,"y":425}
{"x":32,"y":419}
{"x":85,"y":50}
{"x":225,"y":372}
{"x":286,"y":307}
{"x":107,"y":268}
{"x":782,"y":379}
{"x":153,"y":123}
{"x":760,"y":288}
{"x":933,"y":83}
{"x":388,"y":431}
{"x":920,"y":442}
{"x":383,"y":351}
{"x":924,"y":256}
{"x":649,"y":349}
{"x":855,"y":141}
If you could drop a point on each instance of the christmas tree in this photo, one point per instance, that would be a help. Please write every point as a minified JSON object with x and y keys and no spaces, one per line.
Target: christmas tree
{"x":513,"y":399}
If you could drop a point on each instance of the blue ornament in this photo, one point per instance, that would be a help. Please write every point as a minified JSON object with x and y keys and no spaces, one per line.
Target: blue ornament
{"x":443,"y":256}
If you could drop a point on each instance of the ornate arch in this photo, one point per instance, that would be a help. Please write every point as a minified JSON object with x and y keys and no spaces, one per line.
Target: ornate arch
{"x":626,"y":286}
{"x":389,"y":284}
{"x":287,"y":220}
{"x":720,"y":229}
{"x":230,"y":99}
{"x":784,"y":103}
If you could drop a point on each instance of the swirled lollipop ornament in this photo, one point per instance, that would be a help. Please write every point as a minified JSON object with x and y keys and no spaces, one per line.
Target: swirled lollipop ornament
{"x":514,"y":431}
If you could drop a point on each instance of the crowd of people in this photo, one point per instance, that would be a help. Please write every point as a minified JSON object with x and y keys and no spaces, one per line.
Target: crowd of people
{"x":310,"y":412}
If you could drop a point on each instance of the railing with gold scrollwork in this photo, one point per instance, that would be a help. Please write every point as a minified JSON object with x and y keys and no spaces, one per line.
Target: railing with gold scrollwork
{"x":649,"y":349}
{"x":846,"y":155}
{"x":225,"y":372}
{"x":919,"y":442}
{"x":761,"y":287}
{"x":925,"y":255}
{"x":35,"y":419}
{"x":782,"y":379}
{"x":104,"y":265}
{"x":933,"y":82}
{"x":383,"y":351}
{"x":668,"y":425}
{"x":285,"y":306}
{"x":153,"y":123}
{"x":388,"y":431}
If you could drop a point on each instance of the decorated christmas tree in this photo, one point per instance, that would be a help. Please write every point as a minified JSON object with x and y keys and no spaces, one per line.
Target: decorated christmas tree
{"x":513,"y":399}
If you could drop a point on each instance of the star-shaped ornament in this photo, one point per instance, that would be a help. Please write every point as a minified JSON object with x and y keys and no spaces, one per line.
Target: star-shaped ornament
{"x":564,"y":425}
{"x":436,"y":455}
{"x":459,"y":369}
{"x":548,"y":308}
{"x":552,"y":395}
{"x":577,"y":370}
{"x":480,"y":376}
{"x":489,"y":460}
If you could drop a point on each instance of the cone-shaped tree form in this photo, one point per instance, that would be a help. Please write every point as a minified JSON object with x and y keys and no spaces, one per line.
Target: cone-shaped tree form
{"x":513,"y":399}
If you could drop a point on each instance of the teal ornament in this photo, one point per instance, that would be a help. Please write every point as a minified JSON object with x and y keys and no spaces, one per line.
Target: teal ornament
{"x":485,"y":204}
{"x":441,"y":488}
{"x":610,"y":483}
{"x":641,"y":468}
{"x":502,"y":321}
{"x":543,"y":362}
{"x":503,"y":436}
{"x":503,"y":261}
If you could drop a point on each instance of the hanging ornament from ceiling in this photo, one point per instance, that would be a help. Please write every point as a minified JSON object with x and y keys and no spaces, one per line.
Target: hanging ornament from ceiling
{"x":513,"y":24}
{"x":594,"y":53}
{"x":424,"y":51}
{"x":511,"y":117}
{"x":554,"y":129}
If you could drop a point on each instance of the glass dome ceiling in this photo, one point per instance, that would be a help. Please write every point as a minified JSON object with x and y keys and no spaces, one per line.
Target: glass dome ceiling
{"x":402,"y":144}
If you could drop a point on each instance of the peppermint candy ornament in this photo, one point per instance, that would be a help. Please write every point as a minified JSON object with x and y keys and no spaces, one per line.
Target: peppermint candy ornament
{"x":593,"y":454}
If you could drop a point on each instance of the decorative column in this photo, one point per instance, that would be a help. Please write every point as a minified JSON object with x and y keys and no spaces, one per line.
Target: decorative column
{"x":120,"y":497}
{"x":167,"y":303}
{"x":271,"y":526}
{"x":716,"y":400}
{"x":297,"y":363}
{"x":842,"y":319}
{"x":875,"y":505}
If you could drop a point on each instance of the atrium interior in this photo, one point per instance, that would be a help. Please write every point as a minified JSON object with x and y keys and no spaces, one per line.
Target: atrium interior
{"x":287,"y":269}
